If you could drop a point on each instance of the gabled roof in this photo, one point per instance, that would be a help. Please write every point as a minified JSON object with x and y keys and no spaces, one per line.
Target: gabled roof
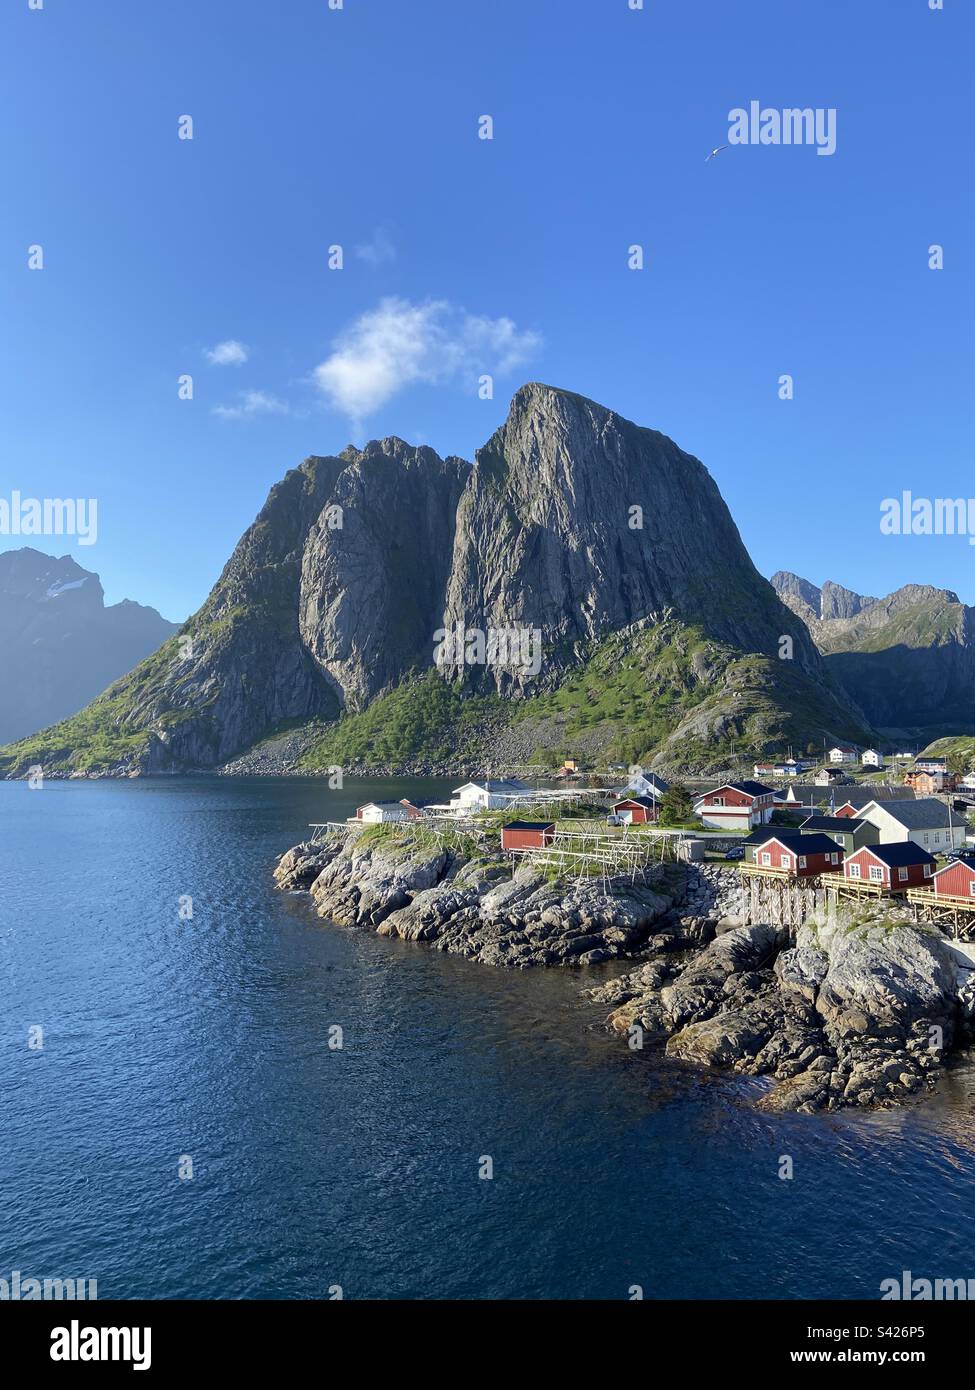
{"x":773,"y":832}
{"x":844,"y":823}
{"x":652,"y":779}
{"x":926,"y":814}
{"x":867,"y":792}
{"x":496,"y":787}
{"x":529,"y":825}
{"x":815,"y":844}
{"x":798,"y":844}
{"x":747,"y":788}
{"x":645,"y":801}
{"x":898,"y":856}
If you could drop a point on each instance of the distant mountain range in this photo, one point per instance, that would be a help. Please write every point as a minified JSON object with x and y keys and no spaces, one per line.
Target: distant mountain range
{"x":658,"y":641}
{"x":907,"y":660}
{"x":61,"y":645}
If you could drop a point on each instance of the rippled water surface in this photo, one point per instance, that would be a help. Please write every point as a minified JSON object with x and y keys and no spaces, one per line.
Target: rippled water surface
{"x":314,"y":1167}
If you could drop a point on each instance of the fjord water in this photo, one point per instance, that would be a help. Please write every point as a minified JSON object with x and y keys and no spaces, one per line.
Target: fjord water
{"x":358,"y":1167}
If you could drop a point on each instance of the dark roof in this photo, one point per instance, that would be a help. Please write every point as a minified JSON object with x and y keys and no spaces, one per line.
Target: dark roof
{"x":831,"y":823}
{"x":926,"y":814}
{"x":530,"y":825}
{"x":749,"y":788}
{"x":773,"y":832}
{"x":865,"y":793}
{"x":814,"y":844}
{"x":646,"y":801}
{"x":900,"y":855}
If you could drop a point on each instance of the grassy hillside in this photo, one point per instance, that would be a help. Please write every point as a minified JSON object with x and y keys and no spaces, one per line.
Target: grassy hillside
{"x":425,"y":720}
{"x":671,"y":691}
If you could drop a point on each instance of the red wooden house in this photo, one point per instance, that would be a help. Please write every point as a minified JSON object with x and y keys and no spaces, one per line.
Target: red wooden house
{"x":803,"y":856}
{"x":636,"y":810}
{"x":527,"y":834}
{"x":736,"y":806}
{"x":895,"y":867}
{"x":957,"y":879}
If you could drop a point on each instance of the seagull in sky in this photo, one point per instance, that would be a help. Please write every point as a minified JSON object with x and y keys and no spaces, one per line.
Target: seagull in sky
{"x":714,"y":152}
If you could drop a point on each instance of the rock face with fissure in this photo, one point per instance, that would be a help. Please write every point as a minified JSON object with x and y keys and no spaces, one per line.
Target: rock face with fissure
{"x":572,"y":525}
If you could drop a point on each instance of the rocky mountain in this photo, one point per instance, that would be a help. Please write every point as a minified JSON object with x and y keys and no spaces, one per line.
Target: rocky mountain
{"x":61,"y":645}
{"x":602,"y":542}
{"x":907,"y":660}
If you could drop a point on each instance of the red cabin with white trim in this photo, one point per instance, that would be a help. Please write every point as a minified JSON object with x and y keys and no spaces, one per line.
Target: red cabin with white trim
{"x":956,"y":880}
{"x":894,"y":868}
{"x":819,"y":855}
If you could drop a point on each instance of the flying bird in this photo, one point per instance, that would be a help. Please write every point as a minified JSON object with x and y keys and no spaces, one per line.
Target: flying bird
{"x":714,"y":152}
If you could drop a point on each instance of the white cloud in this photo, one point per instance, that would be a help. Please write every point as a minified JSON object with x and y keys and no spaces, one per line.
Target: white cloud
{"x":379,"y":251}
{"x":227,"y":354}
{"x":252,"y":403}
{"x":399,"y":344}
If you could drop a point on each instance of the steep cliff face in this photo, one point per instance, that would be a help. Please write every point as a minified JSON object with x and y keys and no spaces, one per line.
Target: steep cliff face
{"x":572,"y":521}
{"x":376,"y":566}
{"x":577,"y":522}
{"x":907,"y":660}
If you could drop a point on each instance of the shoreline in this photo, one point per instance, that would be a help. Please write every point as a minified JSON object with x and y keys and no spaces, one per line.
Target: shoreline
{"x":855,"y":1008}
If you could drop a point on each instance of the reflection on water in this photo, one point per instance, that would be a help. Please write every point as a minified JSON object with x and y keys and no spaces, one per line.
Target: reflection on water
{"x":360,"y":1166}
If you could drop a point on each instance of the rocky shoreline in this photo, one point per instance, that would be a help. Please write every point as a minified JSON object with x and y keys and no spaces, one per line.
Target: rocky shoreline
{"x":859,"y":1008}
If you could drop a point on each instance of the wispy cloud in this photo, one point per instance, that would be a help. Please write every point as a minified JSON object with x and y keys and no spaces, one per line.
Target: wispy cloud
{"x":399,"y":344}
{"x":252,"y":403}
{"x":230,"y":353}
{"x":379,"y":251}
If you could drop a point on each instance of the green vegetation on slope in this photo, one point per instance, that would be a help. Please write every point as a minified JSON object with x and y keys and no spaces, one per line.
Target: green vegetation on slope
{"x":423,"y":720}
{"x":99,"y":737}
{"x":670,"y":689}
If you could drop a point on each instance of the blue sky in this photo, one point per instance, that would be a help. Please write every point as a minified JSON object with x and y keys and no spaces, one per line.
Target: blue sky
{"x":358,"y":127}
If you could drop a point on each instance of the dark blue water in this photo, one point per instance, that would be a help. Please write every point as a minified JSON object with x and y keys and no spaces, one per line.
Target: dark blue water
{"x":359,"y":1167}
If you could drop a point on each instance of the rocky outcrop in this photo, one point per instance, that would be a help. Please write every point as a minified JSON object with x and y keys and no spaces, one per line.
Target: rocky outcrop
{"x":856,"y":1008}
{"x":861,"y":1011}
{"x":471,"y":904}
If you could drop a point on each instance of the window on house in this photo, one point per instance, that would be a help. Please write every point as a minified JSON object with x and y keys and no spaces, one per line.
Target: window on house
{"x":928,"y":871}
{"x":927,"y":838}
{"x":718,"y":801}
{"x":802,"y":861}
{"x":972,"y":887}
{"x":876,"y":875}
{"x":834,"y":858}
{"x":902,"y":874}
{"x":766,"y":859}
{"x":854,"y":870}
